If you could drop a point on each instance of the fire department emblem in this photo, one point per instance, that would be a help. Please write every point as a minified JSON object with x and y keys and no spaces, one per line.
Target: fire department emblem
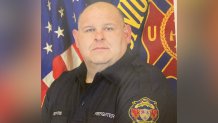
{"x":144,"y":111}
{"x":159,"y":38}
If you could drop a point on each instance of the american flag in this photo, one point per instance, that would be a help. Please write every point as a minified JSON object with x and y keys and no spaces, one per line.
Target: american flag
{"x":60,"y":17}
{"x":58,"y":52}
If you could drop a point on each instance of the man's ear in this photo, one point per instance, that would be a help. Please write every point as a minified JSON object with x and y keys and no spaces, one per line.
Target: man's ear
{"x":75,"y":35}
{"x":127,"y":32}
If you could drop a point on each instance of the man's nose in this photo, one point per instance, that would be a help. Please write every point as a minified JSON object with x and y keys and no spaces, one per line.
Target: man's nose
{"x":99,"y":36}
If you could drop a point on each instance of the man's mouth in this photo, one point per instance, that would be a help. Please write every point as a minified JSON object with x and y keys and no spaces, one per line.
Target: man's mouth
{"x":100,"y":48}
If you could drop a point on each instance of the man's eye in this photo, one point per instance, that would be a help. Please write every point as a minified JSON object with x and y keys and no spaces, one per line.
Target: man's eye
{"x":109,"y":28}
{"x":89,"y":30}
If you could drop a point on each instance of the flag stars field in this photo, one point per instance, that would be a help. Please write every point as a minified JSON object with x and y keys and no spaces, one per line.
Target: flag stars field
{"x":49,"y":27}
{"x":75,"y":0}
{"x":74,"y":17}
{"x":61,"y":11}
{"x":49,"y":5}
{"x":48,"y":48}
{"x":59,"y":32}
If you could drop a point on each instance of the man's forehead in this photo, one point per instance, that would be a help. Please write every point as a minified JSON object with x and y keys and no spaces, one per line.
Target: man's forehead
{"x":99,"y":7}
{"x":87,"y":25}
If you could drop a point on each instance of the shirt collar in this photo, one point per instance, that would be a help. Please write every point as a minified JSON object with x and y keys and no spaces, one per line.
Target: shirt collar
{"x":81,"y":74}
{"x":112,"y":73}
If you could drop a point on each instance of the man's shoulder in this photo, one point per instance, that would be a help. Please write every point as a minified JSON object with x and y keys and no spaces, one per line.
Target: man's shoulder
{"x":60,"y":89}
{"x":149,"y":75}
{"x":65,"y":79}
{"x":145,"y":68}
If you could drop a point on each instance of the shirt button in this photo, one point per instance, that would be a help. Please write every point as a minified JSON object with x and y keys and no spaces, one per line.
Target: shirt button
{"x":83,"y":103}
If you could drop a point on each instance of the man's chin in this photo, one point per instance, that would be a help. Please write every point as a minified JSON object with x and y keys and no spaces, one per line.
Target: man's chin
{"x":101,"y":61}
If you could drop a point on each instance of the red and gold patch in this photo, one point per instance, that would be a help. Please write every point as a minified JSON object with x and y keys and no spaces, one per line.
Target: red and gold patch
{"x":144,"y":110}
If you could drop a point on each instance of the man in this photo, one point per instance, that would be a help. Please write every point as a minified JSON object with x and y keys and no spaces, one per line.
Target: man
{"x":112,"y":84}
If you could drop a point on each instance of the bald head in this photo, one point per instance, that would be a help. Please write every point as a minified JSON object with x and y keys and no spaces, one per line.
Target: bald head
{"x":99,"y":8}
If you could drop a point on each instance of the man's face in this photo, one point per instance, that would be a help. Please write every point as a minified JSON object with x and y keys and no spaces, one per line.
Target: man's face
{"x":102,"y":37}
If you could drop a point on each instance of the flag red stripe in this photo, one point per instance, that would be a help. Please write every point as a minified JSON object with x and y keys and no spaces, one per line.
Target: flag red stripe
{"x":58,"y":66}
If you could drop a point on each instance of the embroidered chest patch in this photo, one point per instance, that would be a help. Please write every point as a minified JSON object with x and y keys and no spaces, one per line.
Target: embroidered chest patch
{"x":144,"y":110}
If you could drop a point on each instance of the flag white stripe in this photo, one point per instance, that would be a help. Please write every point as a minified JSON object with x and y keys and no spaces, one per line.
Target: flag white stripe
{"x":71,"y":58}
{"x":71,"y":61}
{"x":49,"y":79}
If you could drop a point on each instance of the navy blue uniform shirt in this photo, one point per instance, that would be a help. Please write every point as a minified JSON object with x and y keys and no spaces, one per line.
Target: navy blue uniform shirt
{"x":126,"y":92}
